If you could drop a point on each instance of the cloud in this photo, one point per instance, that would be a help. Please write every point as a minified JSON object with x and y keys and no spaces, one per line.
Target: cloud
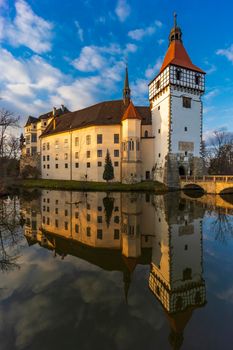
{"x":27,"y":29}
{"x":80,"y":30}
{"x":122,"y":10}
{"x":139,"y":34}
{"x":2,"y":3}
{"x":211,"y":94}
{"x":228,"y":53}
{"x":151,"y":71}
{"x":161,"y":41}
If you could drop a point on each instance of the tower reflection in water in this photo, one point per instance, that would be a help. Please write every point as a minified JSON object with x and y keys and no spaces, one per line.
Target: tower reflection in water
{"x":117,"y":231}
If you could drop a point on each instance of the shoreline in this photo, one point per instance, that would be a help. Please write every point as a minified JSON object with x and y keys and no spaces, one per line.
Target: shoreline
{"x":145,"y":186}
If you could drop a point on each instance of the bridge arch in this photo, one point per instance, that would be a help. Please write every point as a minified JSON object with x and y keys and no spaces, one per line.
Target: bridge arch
{"x":227,"y":191}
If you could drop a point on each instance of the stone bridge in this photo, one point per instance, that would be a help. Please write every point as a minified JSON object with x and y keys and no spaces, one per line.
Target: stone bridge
{"x":214,"y":184}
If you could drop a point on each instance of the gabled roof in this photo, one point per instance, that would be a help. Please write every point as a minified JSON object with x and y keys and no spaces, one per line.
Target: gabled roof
{"x":177,"y":55}
{"x":31,"y":120}
{"x":131,"y":112}
{"x":104,"y":113}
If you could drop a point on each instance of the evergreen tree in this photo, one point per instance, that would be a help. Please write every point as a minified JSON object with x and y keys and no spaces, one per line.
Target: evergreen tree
{"x":108,"y":208}
{"x":108,"y":168}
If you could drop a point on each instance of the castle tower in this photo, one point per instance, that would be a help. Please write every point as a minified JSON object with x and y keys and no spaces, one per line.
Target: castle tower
{"x":176,"y":107}
{"x":176,"y":276}
{"x":131,"y":137}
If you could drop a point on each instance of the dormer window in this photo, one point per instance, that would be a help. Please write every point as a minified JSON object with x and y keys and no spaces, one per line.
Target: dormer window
{"x":197,"y":79}
{"x":178,"y":74}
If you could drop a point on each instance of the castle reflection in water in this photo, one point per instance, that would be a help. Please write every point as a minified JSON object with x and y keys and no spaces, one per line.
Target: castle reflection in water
{"x":117,"y":231}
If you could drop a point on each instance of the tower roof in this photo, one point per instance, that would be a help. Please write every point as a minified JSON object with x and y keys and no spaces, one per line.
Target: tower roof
{"x":131,"y":112}
{"x":176,"y":53}
{"x":126,"y":90}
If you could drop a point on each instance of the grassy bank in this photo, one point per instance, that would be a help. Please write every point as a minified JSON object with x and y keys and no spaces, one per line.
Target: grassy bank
{"x":151,"y":186}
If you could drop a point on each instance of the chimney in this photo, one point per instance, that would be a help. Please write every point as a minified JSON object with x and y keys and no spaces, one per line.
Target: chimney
{"x":54,"y":111}
{"x":54,"y":123}
{"x":63,"y":108}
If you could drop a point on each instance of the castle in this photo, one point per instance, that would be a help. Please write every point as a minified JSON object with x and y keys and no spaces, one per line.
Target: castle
{"x":160,"y":142}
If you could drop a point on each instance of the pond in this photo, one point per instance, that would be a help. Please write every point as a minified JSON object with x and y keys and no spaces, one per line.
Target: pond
{"x":115,"y":271}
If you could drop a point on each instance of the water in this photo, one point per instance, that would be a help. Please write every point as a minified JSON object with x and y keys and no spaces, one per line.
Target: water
{"x":115,"y":271}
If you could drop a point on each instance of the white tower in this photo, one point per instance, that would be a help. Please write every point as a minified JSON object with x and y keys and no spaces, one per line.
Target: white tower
{"x":176,"y":107}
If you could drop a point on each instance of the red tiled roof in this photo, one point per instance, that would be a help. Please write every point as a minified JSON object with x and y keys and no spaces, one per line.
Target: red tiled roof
{"x":177,"y":55}
{"x":131,"y":112}
{"x":104,"y":113}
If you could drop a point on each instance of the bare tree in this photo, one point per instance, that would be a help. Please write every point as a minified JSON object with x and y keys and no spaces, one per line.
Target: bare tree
{"x":7,"y":120}
{"x":220,"y":153}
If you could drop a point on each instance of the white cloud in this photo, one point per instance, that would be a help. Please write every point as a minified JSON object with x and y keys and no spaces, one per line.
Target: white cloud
{"x":151,"y":71}
{"x":122,"y":10}
{"x":80,"y":30}
{"x":161,"y":41}
{"x":2,"y":3}
{"x":28,"y":29}
{"x":228,"y":53}
{"x":140,"y":33}
{"x":211,"y":94}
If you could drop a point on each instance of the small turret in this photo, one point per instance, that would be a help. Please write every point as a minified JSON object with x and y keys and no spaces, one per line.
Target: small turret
{"x":126,"y":90}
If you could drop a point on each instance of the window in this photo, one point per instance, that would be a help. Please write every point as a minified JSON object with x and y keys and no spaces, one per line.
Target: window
{"x":45,"y":123}
{"x":44,"y":158}
{"x":56,"y":202}
{"x":178,"y":74}
{"x":77,"y":228}
{"x":116,"y":152}
{"x":88,"y":164}
{"x":56,"y":144}
{"x":66,"y":225}
{"x":158,"y":131}
{"x":33,"y":150}
{"x":56,"y":157}
{"x":88,"y":217}
{"x":88,"y":230}
{"x":44,"y":166}
{"x":66,"y":165}
{"x":99,"y":153}
{"x":76,"y":155}
{"x":43,"y":219}
{"x":56,"y":223}
{"x":158,"y":84}
{"x":48,"y":166}
{"x":66,"y":143}
{"x":48,"y":200}
{"x":99,"y":234}
{"x":186,"y":102}
{"x":48,"y":221}
{"x":66,"y":212}
{"x":88,"y":154}
{"x":76,"y":165}
{"x":158,"y":108}
{"x":56,"y":210}
{"x":88,"y":139}
{"x":116,"y":138}
{"x":99,"y":219}
{"x":186,"y":247}
{"x":56,"y":166}
{"x":76,"y":141}
{"x":197,"y":79}
{"x":116,"y":209}
{"x":99,"y":138}
{"x":48,"y":146}
{"x":159,"y":155}
{"x":116,"y":234}
{"x":76,"y":215}
{"x":185,"y":153}
{"x":185,"y":128}
{"x":33,"y":138}
{"x":66,"y":156}
{"x":116,"y":163}
{"x":116,"y":219}
{"x":43,"y":145}
{"x":99,"y":164}
{"x":99,"y":208}
{"x":146,"y":133}
{"x":88,"y":206}
{"x":47,"y":158}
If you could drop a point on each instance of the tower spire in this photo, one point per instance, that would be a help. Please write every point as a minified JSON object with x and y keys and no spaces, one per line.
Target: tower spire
{"x":126,"y":90}
{"x":176,"y":33}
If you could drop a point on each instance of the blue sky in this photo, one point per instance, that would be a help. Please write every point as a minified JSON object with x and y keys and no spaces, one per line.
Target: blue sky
{"x":74,"y":53}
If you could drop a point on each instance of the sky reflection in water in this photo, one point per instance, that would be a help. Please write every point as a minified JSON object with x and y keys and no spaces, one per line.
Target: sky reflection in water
{"x":119,"y":271}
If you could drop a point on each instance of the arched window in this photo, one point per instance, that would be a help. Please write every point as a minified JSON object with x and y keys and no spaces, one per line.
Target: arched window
{"x":181,"y":170}
{"x":146,"y":133}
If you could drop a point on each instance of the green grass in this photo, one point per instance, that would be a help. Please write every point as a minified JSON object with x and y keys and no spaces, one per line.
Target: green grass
{"x":152,"y":186}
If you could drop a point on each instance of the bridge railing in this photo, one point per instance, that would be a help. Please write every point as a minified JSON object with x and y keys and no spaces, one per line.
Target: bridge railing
{"x":207,"y":178}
